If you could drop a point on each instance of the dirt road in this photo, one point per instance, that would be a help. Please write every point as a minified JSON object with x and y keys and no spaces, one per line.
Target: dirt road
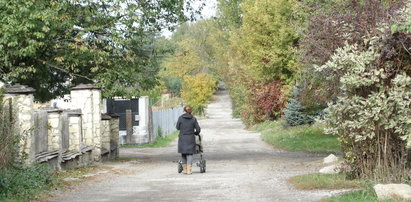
{"x":240,"y":167}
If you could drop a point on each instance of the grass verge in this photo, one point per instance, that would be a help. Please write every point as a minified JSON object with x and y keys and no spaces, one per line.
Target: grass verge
{"x":324,"y":181}
{"x":363,"y":190}
{"x":36,"y":182}
{"x":160,"y":142}
{"x":299,"y":138}
{"x":359,"y":195}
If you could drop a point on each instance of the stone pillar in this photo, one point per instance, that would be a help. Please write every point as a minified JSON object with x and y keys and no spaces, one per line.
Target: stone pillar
{"x":22,"y":99}
{"x":114,"y":135}
{"x":54,"y":129}
{"x":75,"y":131}
{"x":143,"y":110}
{"x":105,"y":131}
{"x":87,"y":97}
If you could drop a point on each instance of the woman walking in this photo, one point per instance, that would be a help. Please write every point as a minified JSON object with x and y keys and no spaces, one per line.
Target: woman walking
{"x":188,"y":126}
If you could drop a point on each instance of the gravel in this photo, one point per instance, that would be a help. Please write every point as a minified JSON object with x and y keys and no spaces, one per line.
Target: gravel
{"x":240,"y":167}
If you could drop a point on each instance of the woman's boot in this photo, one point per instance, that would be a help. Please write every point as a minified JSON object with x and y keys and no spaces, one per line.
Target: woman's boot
{"x":189,"y":166}
{"x":184,"y":169}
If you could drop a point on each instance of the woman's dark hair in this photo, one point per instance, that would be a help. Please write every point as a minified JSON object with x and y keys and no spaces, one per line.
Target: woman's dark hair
{"x":188,"y":109}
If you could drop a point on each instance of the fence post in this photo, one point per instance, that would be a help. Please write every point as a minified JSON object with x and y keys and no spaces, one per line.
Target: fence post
{"x":150,"y":125}
{"x":143,"y":111}
{"x":129,"y":126}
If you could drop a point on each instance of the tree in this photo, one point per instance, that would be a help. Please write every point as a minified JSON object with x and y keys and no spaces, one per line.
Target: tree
{"x":229,"y":14}
{"x":294,"y":114}
{"x":53,"y":45}
{"x":267,"y":40}
{"x":194,"y":62}
{"x":197,"y":91}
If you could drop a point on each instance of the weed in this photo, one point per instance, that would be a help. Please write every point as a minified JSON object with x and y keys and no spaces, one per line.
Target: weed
{"x":24,"y":182}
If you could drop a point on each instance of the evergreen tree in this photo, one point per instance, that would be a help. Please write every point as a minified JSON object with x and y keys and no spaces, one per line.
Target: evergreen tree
{"x":294,"y":113}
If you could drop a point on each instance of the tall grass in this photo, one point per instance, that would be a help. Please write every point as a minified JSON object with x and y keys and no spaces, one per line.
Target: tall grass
{"x":300,"y":138}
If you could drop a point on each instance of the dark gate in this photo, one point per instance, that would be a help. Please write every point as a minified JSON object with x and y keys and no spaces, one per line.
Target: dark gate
{"x":119,"y":106}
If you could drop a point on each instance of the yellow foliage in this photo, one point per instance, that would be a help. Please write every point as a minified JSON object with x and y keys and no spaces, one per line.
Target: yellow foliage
{"x":184,"y":62}
{"x":197,"y":91}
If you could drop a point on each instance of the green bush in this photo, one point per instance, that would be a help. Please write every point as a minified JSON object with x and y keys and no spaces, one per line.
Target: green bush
{"x":372,"y":115}
{"x":174,"y":85}
{"x":24,"y":182}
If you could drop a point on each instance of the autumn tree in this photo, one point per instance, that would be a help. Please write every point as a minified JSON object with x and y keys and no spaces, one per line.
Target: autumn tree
{"x":194,"y":62}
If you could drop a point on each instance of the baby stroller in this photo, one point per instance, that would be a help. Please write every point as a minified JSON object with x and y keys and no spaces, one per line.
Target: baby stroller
{"x":198,"y":150}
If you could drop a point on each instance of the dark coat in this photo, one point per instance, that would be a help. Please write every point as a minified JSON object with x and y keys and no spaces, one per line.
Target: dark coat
{"x":188,"y":126}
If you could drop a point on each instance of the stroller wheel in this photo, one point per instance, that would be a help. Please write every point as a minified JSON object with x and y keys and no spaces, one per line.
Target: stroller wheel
{"x":202,"y":166}
{"x":180,"y":167}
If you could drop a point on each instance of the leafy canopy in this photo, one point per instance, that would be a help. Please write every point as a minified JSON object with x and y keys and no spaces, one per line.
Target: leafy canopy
{"x":52,"y":45}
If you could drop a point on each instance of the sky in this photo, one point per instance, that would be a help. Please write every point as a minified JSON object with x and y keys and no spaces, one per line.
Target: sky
{"x":209,"y":11}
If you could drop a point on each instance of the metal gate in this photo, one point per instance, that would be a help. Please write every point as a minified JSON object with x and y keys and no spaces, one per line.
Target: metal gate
{"x":119,"y":106}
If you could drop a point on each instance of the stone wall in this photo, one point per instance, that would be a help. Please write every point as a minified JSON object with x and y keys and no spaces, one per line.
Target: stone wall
{"x":65,"y":138}
{"x":87,"y":98}
{"x":75,"y":131}
{"x":54,"y":129}
{"x":22,"y":99}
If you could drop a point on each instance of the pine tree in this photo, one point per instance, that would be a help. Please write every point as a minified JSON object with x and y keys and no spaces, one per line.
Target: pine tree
{"x":294,"y":113}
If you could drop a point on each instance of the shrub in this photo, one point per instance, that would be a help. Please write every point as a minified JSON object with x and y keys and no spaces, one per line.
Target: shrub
{"x":345,"y":22}
{"x":295,"y":114}
{"x":22,"y":183}
{"x":371,"y":116}
{"x":174,"y":85}
{"x":265,"y":102}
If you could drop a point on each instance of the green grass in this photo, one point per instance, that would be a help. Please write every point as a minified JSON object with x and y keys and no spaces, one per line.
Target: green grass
{"x":324,"y":181}
{"x":359,"y":195}
{"x":363,"y":190}
{"x":73,"y":173}
{"x":299,"y":138}
{"x":160,"y":142}
{"x":365,"y":195}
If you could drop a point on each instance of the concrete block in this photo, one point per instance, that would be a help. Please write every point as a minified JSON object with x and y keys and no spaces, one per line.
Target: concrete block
{"x":330,"y":159}
{"x":332,"y":169}
{"x":388,"y":191}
